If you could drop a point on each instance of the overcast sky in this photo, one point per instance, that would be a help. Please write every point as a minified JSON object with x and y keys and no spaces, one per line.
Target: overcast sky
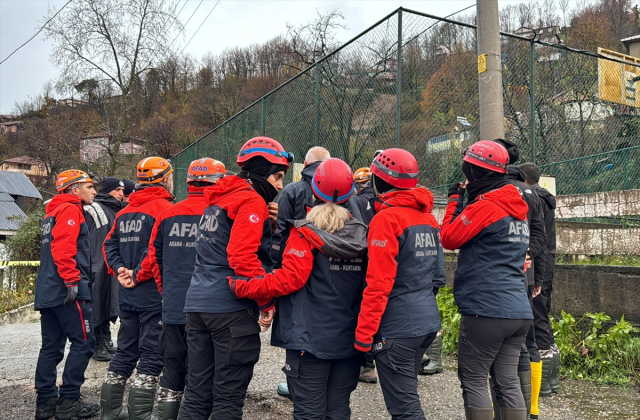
{"x":232,"y":23}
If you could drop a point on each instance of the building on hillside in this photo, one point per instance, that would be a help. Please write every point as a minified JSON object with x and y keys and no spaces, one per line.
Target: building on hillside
{"x":11,"y":126}
{"x":96,"y":147}
{"x":72,"y":102}
{"x":549,"y":34}
{"x":15,"y":187}
{"x":461,"y":132}
{"x":34,"y":169}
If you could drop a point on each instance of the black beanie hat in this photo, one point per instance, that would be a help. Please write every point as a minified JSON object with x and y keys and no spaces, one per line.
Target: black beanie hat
{"x":262,"y":167}
{"x":512,"y":149}
{"x":110,"y":183}
{"x":129,"y":186}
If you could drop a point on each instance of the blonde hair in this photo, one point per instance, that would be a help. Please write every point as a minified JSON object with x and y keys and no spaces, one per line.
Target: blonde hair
{"x":329,"y":217}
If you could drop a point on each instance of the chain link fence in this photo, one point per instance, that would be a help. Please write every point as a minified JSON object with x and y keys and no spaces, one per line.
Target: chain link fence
{"x":423,"y":97}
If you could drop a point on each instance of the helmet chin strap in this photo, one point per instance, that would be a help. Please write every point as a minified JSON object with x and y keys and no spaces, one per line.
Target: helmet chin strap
{"x":375,"y":189}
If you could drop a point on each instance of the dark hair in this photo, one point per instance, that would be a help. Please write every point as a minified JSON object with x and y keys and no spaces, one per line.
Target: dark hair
{"x":200,"y":184}
{"x":531,"y":172}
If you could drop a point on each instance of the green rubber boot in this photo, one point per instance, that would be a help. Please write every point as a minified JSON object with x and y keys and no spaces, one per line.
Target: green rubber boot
{"x":434,"y":353}
{"x":142,"y":394}
{"x":478,"y":413}
{"x":553,"y":382}
{"x":547,"y":368}
{"x":169,"y":403}
{"x":525,"y":386}
{"x":513,"y":413}
{"x":111,"y":402}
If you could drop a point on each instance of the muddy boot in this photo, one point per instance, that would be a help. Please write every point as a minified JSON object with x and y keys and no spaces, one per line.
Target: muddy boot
{"x":513,"y":413}
{"x":111,"y":397}
{"x":536,"y":380}
{"x":69,"y":409}
{"x":368,"y":375}
{"x":494,"y":400}
{"x":142,"y":394}
{"x":46,"y":408}
{"x":525,"y":386}
{"x":547,"y":367}
{"x":168,"y":403}
{"x":434,"y":353}
{"x":553,"y":382}
{"x":478,"y":413}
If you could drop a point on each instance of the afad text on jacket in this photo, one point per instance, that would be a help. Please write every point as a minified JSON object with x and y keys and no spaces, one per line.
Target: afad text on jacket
{"x":127,"y":246}
{"x":492,"y":234}
{"x":65,"y":253}
{"x":405,"y":261}
{"x":233,"y":239}
{"x":173,"y":254}
{"x":319,"y":289}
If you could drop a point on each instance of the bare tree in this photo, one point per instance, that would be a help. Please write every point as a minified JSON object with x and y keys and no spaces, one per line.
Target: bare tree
{"x":112,"y":41}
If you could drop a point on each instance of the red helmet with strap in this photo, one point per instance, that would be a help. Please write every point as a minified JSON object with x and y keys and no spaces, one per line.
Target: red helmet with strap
{"x":205,"y":170}
{"x":266,"y":147}
{"x":333,"y":181}
{"x":488,"y":155}
{"x":397,"y":167}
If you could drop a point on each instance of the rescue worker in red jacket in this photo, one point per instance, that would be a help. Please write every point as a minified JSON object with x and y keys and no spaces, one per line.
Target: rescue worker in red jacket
{"x":64,"y":300}
{"x":399,"y":315}
{"x":234,"y":238}
{"x":173,"y":254}
{"x":492,"y":234}
{"x":126,"y":254}
{"x":319,"y":288}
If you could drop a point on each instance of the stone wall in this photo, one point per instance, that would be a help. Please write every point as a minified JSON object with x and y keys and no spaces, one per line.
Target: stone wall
{"x":575,"y":241}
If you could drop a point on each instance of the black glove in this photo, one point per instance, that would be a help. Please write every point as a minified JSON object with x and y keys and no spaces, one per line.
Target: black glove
{"x":72,"y":292}
{"x":435,"y":291}
{"x":455,"y":189}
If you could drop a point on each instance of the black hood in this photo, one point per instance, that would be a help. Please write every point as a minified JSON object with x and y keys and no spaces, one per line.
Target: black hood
{"x":309,"y":170}
{"x":348,"y":243}
{"x":544,"y":194}
{"x":513,"y":172}
{"x":109,"y":201}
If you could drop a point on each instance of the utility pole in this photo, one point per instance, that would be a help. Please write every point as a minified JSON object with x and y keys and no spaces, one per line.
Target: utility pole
{"x":490,"y":71}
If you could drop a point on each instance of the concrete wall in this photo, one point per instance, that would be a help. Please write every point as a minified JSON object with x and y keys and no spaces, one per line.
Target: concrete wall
{"x":578,"y":289}
{"x":574,"y":241}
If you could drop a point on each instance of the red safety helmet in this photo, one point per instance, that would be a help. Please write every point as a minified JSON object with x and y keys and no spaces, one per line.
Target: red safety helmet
{"x":396,"y":167}
{"x":333,"y":181}
{"x":205,"y":170}
{"x":488,"y":155}
{"x":266,"y":147}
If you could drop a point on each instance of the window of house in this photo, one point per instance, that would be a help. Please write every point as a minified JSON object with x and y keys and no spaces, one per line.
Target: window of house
{"x":87,"y":142}
{"x":101,"y":142}
{"x":86,"y":155}
{"x":24,"y":166}
{"x":101,"y":153}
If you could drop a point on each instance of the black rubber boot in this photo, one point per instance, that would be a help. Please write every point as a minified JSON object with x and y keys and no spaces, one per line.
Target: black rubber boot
{"x":108,"y":342}
{"x":434,"y":353}
{"x":168,"y":410}
{"x":478,"y":413}
{"x":513,"y":413}
{"x":525,"y":386}
{"x":553,"y":382}
{"x":100,"y":353}
{"x":140,"y":403}
{"x":494,"y":400}
{"x":69,"y":409}
{"x":46,"y":408}
{"x":111,"y":402}
{"x":547,"y":368}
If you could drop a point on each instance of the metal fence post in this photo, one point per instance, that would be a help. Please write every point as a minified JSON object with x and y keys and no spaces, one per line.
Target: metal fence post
{"x":399,"y":80}
{"x":317,"y":104}
{"x":532,"y":83}
{"x":264,"y":133}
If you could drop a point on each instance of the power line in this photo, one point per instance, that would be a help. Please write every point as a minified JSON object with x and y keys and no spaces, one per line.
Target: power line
{"x":186,"y":23}
{"x":205,"y":19}
{"x":36,"y":34}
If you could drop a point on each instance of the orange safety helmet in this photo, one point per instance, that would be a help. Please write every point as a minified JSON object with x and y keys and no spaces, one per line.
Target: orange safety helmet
{"x":152,"y":170}
{"x":205,"y":170}
{"x":70,"y":177}
{"x":362,"y":175}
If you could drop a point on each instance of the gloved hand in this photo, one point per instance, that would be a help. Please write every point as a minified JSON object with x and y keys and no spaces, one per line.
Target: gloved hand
{"x":72,"y":292}
{"x":435,"y":291}
{"x":456,"y":189}
{"x":237,"y":286}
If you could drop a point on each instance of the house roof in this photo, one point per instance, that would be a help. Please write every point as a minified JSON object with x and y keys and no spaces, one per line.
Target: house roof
{"x":96,"y":135}
{"x":17,"y":183}
{"x":23,"y":159}
{"x":11,"y":123}
{"x":630,"y":40}
{"x":10,"y":213}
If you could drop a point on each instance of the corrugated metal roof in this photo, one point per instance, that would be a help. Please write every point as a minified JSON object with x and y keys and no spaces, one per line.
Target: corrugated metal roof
{"x":6,"y":197}
{"x":17,"y":183}
{"x":8,"y":212}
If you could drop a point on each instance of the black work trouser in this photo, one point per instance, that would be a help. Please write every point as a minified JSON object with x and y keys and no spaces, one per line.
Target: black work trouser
{"x":490,"y":346}
{"x":173,"y":350}
{"x":222,"y":350}
{"x":72,"y":321}
{"x":541,"y":307}
{"x":398,"y":362}
{"x":138,"y":344}
{"x":529,"y":350}
{"x":321,"y":388}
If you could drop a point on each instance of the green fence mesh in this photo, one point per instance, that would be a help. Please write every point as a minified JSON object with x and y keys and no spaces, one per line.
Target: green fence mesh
{"x":423,"y":97}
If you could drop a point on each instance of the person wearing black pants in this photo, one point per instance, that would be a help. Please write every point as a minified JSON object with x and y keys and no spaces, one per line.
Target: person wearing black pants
{"x":492,"y":233}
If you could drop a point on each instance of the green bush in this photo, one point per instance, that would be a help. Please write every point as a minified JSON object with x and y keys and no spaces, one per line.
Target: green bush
{"x":450,"y":319}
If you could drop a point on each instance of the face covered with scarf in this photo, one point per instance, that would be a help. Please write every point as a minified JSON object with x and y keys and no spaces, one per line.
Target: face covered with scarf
{"x":265,"y":177}
{"x":481,"y":180}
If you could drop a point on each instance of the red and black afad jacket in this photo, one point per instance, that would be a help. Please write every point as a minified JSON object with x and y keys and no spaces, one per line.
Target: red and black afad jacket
{"x":127,"y":246}
{"x":492,"y":234}
{"x":172,"y":252}
{"x":234,"y":239}
{"x":319,"y":289}
{"x":405,"y":261}
{"x":65,"y":253}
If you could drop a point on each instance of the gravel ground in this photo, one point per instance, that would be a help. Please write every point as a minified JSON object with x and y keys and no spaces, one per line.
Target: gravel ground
{"x":440,"y":394}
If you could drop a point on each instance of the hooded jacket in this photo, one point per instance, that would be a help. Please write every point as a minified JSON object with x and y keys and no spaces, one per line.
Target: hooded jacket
{"x":492,"y":234}
{"x":549,"y":210}
{"x":127,"y":246}
{"x":65,"y":256}
{"x":405,"y":261}
{"x":365,"y":204}
{"x":172,"y":252}
{"x":292,"y":205}
{"x":319,"y":289}
{"x":233,"y":239}
{"x":104,"y":287}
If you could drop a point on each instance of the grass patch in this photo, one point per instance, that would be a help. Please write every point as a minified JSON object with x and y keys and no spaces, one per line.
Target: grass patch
{"x":620,"y":260}
{"x":21,"y":293}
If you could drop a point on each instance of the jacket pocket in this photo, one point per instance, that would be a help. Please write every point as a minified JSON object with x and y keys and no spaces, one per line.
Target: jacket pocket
{"x":290,"y":367}
{"x":244,"y":346}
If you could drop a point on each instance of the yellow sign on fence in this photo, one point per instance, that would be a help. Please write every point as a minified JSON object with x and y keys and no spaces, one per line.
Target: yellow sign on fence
{"x":482,"y":63}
